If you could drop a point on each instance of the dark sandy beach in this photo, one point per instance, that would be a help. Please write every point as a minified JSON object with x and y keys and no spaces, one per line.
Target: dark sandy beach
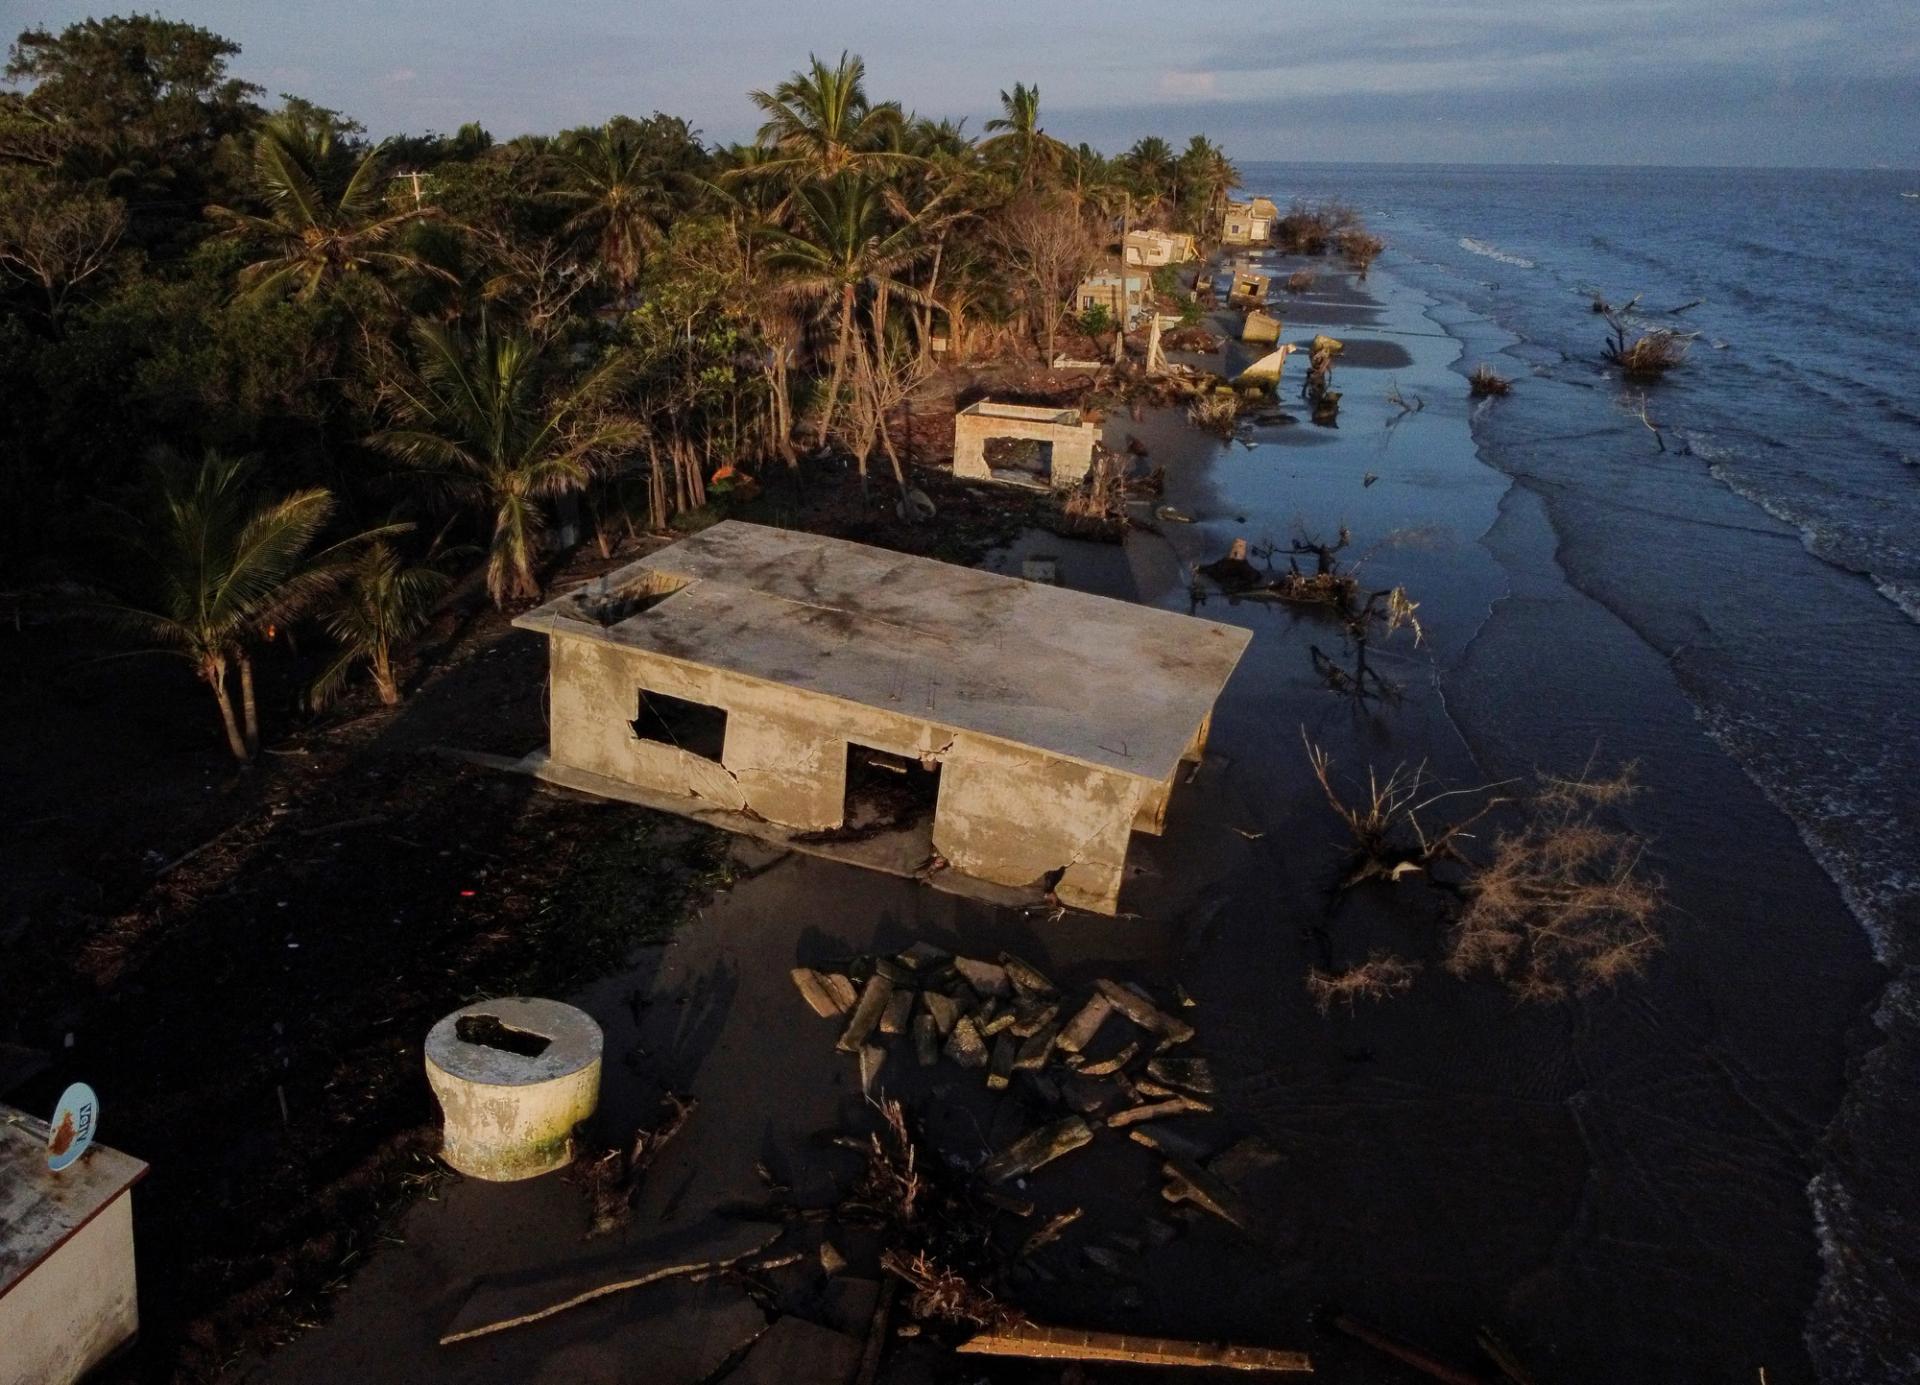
{"x":1617,"y":1182}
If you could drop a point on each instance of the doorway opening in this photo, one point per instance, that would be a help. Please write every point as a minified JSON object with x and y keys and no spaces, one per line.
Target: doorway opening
{"x":1024,"y":461}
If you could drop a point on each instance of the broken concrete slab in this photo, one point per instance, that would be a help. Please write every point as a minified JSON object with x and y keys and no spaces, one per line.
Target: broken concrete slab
{"x":872,"y":1059}
{"x":819,"y":994}
{"x":1038,"y":1148}
{"x":1106,"y":1067}
{"x":1158,"y":1110}
{"x":893,"y":1019}
{"x":984,"y":977}
{"x":874,"y":998}
{"x":1245,"y":1156}
{"x":1005,"y":1049}
{"x":1050,"y":1232}
{"x":926,"y":1041}
{"x":1186,"y":1183}
{"x":1191,"y":1074}
{"x":1032,"y":1054}
{"x":1031,"y":1016}
{"x":1038,"y":1342}
{"x":1026,"y":977}
{"x":1085,"y":1025}
{"x":1144,"y":1013}
{"x":965,"y":1044}
{"x":943,"y":1009}
{"x":922,"y":955}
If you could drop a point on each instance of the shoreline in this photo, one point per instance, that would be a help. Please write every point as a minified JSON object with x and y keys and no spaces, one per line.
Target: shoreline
{"x":1596,"y":1120}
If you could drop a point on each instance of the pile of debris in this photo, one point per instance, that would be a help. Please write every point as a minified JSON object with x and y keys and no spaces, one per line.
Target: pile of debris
{"x":1109,"y":1060}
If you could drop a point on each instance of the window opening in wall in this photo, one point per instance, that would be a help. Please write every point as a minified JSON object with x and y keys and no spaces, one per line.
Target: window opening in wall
{"x":690,"y":726}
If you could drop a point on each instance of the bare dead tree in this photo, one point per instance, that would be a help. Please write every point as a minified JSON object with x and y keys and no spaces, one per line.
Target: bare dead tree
{"x":1050,"y":246}
{"x":1559,"y":903}
{"x":56,"y":243}
{"x":539,"y":277}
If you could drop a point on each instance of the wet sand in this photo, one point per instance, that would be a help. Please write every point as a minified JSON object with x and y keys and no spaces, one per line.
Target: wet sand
{"x":1617,"y":1182}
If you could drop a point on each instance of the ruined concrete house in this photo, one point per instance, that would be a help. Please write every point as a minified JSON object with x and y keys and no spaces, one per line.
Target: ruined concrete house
{"x":1102,"y":290}
{"x":1156,"y":248}
{"x":1054,"y":446}
{"x":1248,"y":223}
{"x":758,"y":674}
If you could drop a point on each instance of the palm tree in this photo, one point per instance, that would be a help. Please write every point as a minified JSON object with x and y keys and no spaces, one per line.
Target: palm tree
{"x":1020,"y":134}
{"x":611,"y":180}
{"x":1209,"y":175}
{"x":381,"y":602}
{"x":1151,"y":163}
{"x":318,"y":236}
{"x":846,"y":236}
{"x":476,"y":416}
{"x":225,"y":569}
{"x":820,"y":124}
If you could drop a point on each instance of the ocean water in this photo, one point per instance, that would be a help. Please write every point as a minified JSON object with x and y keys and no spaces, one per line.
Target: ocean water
{"x":1764,"y":542}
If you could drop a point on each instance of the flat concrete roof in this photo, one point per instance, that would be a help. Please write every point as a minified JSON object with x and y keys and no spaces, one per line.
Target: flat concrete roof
{"x":40,"y":1209}
{"x":1108,"y":683}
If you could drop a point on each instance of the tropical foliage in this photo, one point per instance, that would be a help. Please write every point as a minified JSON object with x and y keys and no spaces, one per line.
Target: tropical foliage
{"x":519,"y":344}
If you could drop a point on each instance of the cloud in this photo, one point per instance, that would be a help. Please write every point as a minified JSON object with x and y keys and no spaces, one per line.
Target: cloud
{"x":1186,"y":84}
{"x":402,"y":74}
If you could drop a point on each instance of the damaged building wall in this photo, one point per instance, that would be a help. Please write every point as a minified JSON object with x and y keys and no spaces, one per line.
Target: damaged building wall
{"x":1006,"y":814}
{"x":1072,"y":440}
{"x":1014,"y":816}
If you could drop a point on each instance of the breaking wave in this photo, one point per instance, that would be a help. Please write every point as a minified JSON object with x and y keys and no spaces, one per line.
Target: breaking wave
{"x":1494,"y":252}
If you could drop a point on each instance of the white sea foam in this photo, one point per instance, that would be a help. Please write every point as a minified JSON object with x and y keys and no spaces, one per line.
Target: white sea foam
{"x":1494,"y":252}
{"x":1905,"y":595}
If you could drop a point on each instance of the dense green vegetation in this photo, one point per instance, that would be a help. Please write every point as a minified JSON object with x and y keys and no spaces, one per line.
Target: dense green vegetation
{"x":228,"y":322}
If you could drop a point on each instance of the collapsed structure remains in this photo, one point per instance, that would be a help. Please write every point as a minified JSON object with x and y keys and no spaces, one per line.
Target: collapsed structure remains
{"x":770,"y":673}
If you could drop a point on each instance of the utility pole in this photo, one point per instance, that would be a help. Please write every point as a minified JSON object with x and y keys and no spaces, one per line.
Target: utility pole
{"x":1120,"y":323}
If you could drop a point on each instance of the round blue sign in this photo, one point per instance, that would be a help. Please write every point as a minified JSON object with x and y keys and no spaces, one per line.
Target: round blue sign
{"x":74,"y":1121}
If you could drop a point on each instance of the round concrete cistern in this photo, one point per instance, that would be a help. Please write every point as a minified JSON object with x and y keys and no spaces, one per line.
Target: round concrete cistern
{"x":513,"y":1076}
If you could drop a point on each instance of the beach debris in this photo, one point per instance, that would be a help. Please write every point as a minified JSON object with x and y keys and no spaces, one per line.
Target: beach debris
{"x":1488,"y":383}
{"x":831,"y":1260}
{"x":1050,"y":1231}
{"x":1028,"y":979}
{"x":1217,"y":413}
{"x":893,"y":1019}
{"x":612,"y":1179}
{"x":1033,"y":1051}
{"x":1085,"y":1025}
{"x":1000,"y":1069}
{"x":965,"y":1045}
{"x":497,"y":1307}
{"x":1193,"y":1074}
{"x":1037,"y":1148}
{"x":942,"y":1009}
{"x":926,"y":1040}
{"x":985,"y":978}
{"x":1157,"y":1110}
{"x":1144,"y":1013}
{"x":1260,"y":328}
{"x":827,"y":993}
{"x":1233,"y":573}
{"x":1318,"y":389}
{"x":1111,"y":1064}
{"x":1168,"y":514}
{"x":872,"y":1059}
{"x":1649,"y":355}
{"x":874,"y":999}
{"x":922,"y":955}
{"x":1185,"y":1183}
{"x":1170,"y":1140}
{"x":1037,"y":1342}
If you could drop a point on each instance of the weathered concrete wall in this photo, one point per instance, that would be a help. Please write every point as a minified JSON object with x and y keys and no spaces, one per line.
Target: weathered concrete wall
{"x":76,"y":1307}
{"x":1012,"y":816}
{"x":1006,"y":814}
{"x":1072,"y":444}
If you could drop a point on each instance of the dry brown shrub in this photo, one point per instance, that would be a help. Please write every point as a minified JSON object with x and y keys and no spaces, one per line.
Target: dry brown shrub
{"x":1486,"y":382}
{"x":1382,"y":975}
{"x":944,"y":1294}
{"x":1301,"y":281}
{"x":1217,"y":413}
{"x":1563,"y":906}
{"x":1649,"y":355}
{"x":1361,"y":249}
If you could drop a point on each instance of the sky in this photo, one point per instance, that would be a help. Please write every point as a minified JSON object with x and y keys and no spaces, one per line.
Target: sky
{"x":1713,"y":82}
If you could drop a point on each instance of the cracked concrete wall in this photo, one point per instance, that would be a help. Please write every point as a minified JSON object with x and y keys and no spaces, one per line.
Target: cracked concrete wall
{"x":1013,"y":816}
{"x":1072,"y":445}
{"x":1006,"y":814}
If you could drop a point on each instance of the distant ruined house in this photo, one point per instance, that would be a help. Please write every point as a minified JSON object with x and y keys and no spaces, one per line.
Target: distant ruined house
{"x":1153,"y":249}
{"x":1248,"y":223}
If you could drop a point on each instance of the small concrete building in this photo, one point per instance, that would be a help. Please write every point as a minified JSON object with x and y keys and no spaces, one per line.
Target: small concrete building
{"x":1058,"y":451}
{"x":751,"y":675}
{"x":67,"y":1298}
{"x":1248,"y":223}
{"x":1102,"y":290}
{"x":1156,"y":248}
